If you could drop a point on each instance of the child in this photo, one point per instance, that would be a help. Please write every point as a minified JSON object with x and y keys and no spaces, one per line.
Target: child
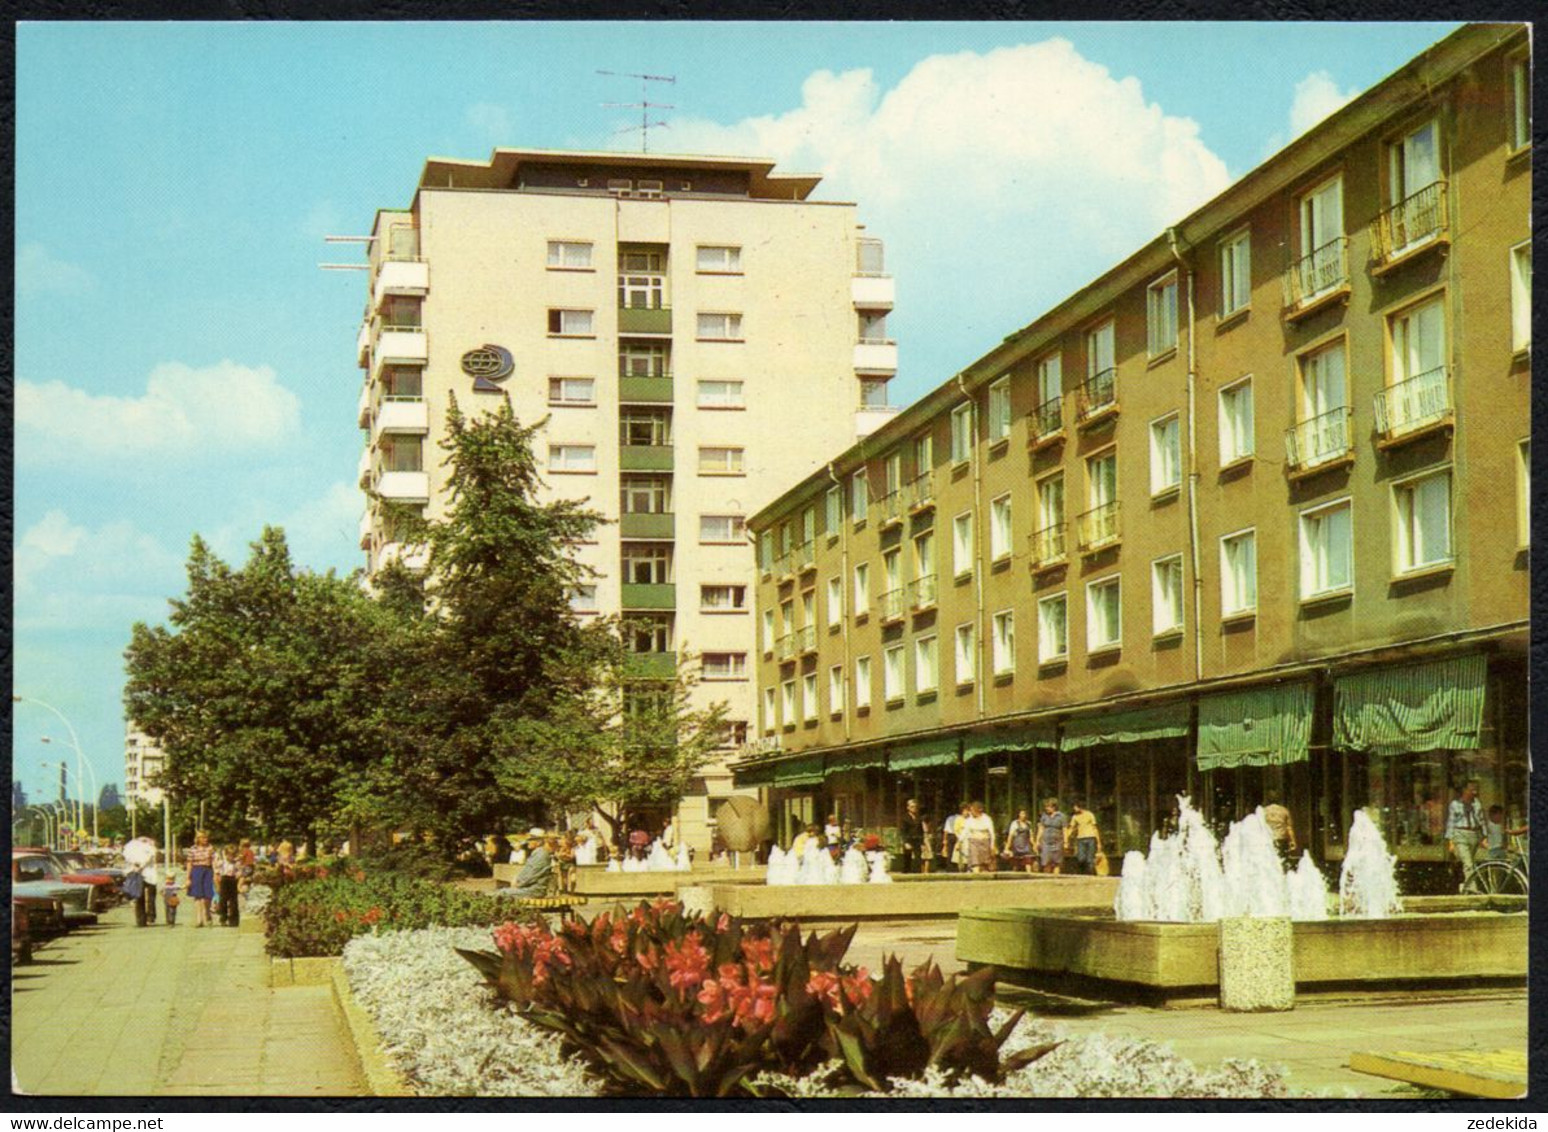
{"x":1494,"y":833}
{"x":169,"y":894}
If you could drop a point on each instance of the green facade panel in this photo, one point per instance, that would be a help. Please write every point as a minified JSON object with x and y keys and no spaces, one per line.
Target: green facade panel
{"x":638,"y":595}
{"x":1268,"y":726}
{"x":645,"y":390}
{"x":645,"y":458}
{"x":1435,"y":706}
{"x":644,"y":320}
{"x":646,"y":526}
{"x":651,"y":665}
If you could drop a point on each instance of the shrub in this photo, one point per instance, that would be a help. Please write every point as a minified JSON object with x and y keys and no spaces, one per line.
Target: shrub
{"x":319,"y":916}
{"x":666,"y":1002}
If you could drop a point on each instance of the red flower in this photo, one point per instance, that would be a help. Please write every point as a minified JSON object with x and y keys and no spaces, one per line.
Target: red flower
{"x":723,"y":923}
{"x":340,"y":916}
{"x":824,"y":986}
{"x":322,"y":873}
{"x":687,"y":961}
{"x":712,"y":997}
{"x":647,"y":958}
{"x":858,"y":986}
{"x":759,"y":954}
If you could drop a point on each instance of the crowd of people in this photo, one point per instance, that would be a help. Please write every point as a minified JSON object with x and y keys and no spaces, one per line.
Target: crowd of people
{"x":215,"y":879}
{"x":967,"y":842}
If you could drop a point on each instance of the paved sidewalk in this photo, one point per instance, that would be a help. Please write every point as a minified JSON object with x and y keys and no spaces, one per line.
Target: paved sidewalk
{"x":117,"y":1010}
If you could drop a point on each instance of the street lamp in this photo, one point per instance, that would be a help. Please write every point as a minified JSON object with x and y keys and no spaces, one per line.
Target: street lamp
{"x":48,"y":833}
{"x":74,"y":742}
{"x":80,"y":785}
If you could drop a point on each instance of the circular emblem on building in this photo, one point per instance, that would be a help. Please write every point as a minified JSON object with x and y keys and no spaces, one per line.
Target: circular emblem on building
{"x":488,"y":364}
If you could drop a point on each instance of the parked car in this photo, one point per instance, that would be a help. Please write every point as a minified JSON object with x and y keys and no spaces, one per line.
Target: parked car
{"x":35,"y":874}
{"x":71,"y":869}
{"x":45,"y":915}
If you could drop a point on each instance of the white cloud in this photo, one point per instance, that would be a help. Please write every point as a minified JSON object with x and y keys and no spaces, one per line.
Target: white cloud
{"x":494,"y":121}
{"x":321,"y":532}
{"x":184,"y":411}
{"x":71,"y":576}
{"x":53,"y":536}
{"x":1316,"y":96}
{"x":39,"y":271}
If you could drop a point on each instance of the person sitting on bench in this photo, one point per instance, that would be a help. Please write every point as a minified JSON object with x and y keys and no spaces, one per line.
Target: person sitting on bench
{"x":537,"y":874}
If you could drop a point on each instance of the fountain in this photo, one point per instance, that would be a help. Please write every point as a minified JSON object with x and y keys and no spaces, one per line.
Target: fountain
{"x":878,"y":862}
{"x":1367,"y":884}
{"x":853,"y":870}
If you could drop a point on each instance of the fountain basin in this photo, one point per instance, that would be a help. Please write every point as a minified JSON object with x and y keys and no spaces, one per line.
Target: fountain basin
{"x":912,"y":898}
{"x":1441,"y":940}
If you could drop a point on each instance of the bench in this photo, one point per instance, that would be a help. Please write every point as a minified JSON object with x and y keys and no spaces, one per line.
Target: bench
{"x":562,"y":902}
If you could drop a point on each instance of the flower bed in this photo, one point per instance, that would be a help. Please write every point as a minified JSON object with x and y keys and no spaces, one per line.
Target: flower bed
{"x":318,"y":917}
{"x":449,"y":1035}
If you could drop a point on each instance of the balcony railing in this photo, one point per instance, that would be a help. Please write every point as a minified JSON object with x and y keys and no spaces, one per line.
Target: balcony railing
{"x":785,"y":647}
{"x":644,"y":320}
{"x":650,"y":665}
{"x":806,"y":639}
{"x":1047,"y":544}
{"x":1413,"y":405}
{"x":646,"y":524}
{"x":1047,"y":419}
{"x":645,"y":390}
{"x":1098,"y":394}
{"x":806,"y":555}
{"x":921,"y":592}
{"x":892,"y":605}
{"x":645,"y":458}
{"x":889,"y":508}
{"x":1323,"y":272}
{"x":648,"y":595}
{"x":1320,"y":439}
{"x":921,"y":492}
{"x":1416,"y":220}
{"x":784,"y":564}
{"x":1098,"y":527}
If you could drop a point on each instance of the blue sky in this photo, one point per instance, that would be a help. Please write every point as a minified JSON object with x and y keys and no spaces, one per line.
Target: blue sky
{"x":182,"y":365}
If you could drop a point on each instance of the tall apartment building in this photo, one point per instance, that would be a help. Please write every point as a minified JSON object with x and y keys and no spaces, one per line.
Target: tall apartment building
{"x":675,"y":320}
{"x":1248,"y":513}
{"x":143,"y":761}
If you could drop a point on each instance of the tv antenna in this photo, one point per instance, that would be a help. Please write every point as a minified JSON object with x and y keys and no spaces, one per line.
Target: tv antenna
{"x":644,"y":105}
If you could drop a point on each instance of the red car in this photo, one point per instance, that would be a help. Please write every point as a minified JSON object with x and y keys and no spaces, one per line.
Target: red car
{"x":71,"y":872}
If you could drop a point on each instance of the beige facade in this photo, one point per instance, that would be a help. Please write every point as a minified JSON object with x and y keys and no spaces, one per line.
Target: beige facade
{"x":673,"y":320}
{"x":143,"y":761}
{"x":1280,"y":450}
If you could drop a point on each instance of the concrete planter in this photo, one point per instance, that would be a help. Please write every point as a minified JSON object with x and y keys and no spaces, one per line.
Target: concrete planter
{"x":914,"y":899}
{"x":382,"y":1077}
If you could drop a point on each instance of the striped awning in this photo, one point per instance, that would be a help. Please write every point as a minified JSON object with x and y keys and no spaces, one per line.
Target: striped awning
{"x":922,"y":753}
{"x":863,"y":759}
{"x":760,"y":775}
{"x":1020,"y":738}
{"x":804,"y":770}
{"x":1098,"y":728}
{"x":1268,"y":726}
{"x":1434,"y":706}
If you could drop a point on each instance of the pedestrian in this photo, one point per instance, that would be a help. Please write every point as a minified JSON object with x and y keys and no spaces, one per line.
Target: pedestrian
{"x":1050,"y":842}
{"x":1464,"y":826}
{"x":200,"y":859}
{"x":230,"y":870}
{"x":1082,"y":831}
{"x":1281,"y":827}
{"x":152,"y":877}
{"x":911,"y":834}
{"x":169,"y":894}
{"x":133,"y":886}
{"x":1494,"y":833}
{"x":1018,"y":843}
{"x":564,"y":857}
{"x":536,"y":877}
{"x":975,"y":834}
{"x":926,"y":845}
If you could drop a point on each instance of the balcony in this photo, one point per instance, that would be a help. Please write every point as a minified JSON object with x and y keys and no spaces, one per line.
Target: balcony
{"x":1320,"y":441}
{"x":401,"y":345}
{"x":363,"y":407}
{"x":403,"y":414}
{"x":645,"y":458}
{"x":873,"y":292}
{"x":921,"y":493}
{"x":806,"y":556}
{"x":1097,"y":396}
{"x":784,"y":564}
{"x":1416,"y":223}
{"x":645,"y":320}
{"x":785,"y":647}
{"x":365,"y":530}
{"x":892,"y":605}
{"x":363,"y":344}
{"x":806,"y":639}
{"x":649,"y":525}
{"x":889,"y":508}
{"x":364,"y":468}
{"x":1097,"y":528}
{"x":400,"y":277}
{"x":1318,"y":278}
{"x":869,"y":418}
{"x":1414,"y":407}
{"x":649,"y":595}
{"x":921,"y":593}
{"x":1045,"y":424}
{"x":413,"y":557}
{"x":876,"y":355}
{"x":650,"y":665}
{"x":1047,"y":546}
{"x":404,"y":487}
{"x":645,"y":390}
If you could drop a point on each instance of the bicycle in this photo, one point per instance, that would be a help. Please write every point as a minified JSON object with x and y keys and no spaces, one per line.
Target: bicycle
{"x":1505,"y":876}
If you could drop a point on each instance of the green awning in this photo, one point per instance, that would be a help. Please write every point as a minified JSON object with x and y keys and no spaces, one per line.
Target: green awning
{"x":760,"y":775}
{"x":1019,"y":738}
{"x":923,"y":753}
{"x":1099,"y":728}
{"x":862,"y":759}
{"x":1268,"y":726}
{"x":1435,"y":706}
{"x":803,"y":771}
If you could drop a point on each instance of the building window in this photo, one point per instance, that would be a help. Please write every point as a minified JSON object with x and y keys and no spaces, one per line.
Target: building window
{"x":924,"y":555}
{"x":862,"y":589}
{"x":1003,"y":628}
{"x":722,"y":529}
{"x":1053,"y":629}
{"x":1327,"y":550}
{"x":1050,"y":517}
{"x":645,"y":495}
{"x":715,"y":259}
{"x":809,"y":528}
{"x":1235,"y":273}
{"x":1521,"y":104}
{"x":862,"y":682}
{"x":926,"y":678}
{"x":1101,"y":365}
{"x":833,"y":510}
{"x":1000,"y":528}
{"x":721,"y":395}
{"x":1236,"y":423}
{"x":962,"y":433}
{"x":1161,"y":315}
{"x":766,"y":552}
{"x":403,"y":453}
{"x":724,"y":666}
{"x":966,"y":653}
{"x":1521,"y":297}
{"x":1321,"y":268}
{"x":892,"y":673}
{"x":873,"y":392}
{"x":1423,"y":516}
{"x":572,"y":458}
{"x":1418,"y":395}
{"x":924,"y":455}
{"x":1104,"y":614}
{"x":1524,"y":493}
{"x":646,"y":563}
{"x":836,"y":690}
{"x":721,"y":462}
{"x":644,"y":359}
{"x":892,"y":577}
{"x":1239,"y":574}
{"x":768,"y":631}
{"x":1166,"y":595}
{"x":770,"y":712}
{"x":723,"y":599}
{"x":1049,"y":413}
{"x":999,"y":410}
{"x":571,"y":324}
{"x":1413,"y":165}
{"x":809,"y":697}
{"x":572,"y":391}
{"x":871,"y":326}
{"x":892,"y":468}
{"x":859,"y":497}
{"x":835,"y":601}
{"x":1165,"y":456}
{"x":809,"y":610}
{"x":788,"y":702}
{"x":787,"y":619}
{"x":719,"y":327}
{"x":962,"y":544}
{"x":1322,"y":433}
{"x":569,"y":254}
{"x":583,"y":599}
